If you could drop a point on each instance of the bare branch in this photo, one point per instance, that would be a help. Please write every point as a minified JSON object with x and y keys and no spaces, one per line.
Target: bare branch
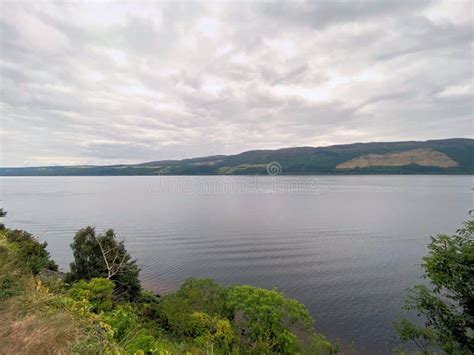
{"x":112,"y":267}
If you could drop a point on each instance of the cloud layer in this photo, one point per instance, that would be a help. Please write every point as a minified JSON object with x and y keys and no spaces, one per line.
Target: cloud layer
{"x":109,"y":82}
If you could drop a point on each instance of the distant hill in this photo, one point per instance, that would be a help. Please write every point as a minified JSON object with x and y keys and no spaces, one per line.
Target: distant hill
{"x":446,"y":156}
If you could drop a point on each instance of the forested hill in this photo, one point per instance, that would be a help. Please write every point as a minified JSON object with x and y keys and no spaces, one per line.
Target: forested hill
{"x":447,"y":156}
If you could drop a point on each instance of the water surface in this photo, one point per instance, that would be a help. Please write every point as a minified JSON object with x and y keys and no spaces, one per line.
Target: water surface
{"x":345,"y":246}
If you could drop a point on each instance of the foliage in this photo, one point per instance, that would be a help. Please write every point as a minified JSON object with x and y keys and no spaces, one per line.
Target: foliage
{"x":203,"y":295}
{"x":175,"y":316}
{"x":30,"y":252}
{"x":97,"y":291}
{"x":422,"y":337}
{"x":269,"y":317}
{"x":201,"y":317}
{"x":129,"y":329}
{"x":2,"y":214}
{"x":319,"y":344}
{"x":447,"y":304}
{"x":123,"y":320}
{"x":212,"y":330}
{"x":9,"y":285}
{"x":9,"y":278}
{"x":93,"y":256}
{"x":142,"y":343}
{"x":147,"y":305}
{"x":252,"y":319}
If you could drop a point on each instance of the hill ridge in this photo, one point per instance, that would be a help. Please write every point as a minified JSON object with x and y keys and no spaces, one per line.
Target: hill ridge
{"x":293,"y":160}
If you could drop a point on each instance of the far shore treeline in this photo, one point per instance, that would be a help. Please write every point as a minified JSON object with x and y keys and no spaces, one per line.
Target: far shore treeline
{"x":445,"y":156}
{"x":99,"y":306}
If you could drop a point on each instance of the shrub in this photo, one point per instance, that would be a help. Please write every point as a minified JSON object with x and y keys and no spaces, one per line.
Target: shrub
{"x":175,"y":315}
{"x":142,"y":343}
{"x":204,"y":295}
{"x":223,"y":334}
{"x":194,"y":295}
{"x":97,"y":291}
{"x":207,"y":329}
{"x":9,"y":285}
{"x":200,"y":323}
{"x":269,"y":317}
{"x":267,"y":321}
{"x":123,"y":320}
{"x":198,"y":310}
{"x":2,"y":214}
{"x":30,"y":252}
{"x":148,"y":305}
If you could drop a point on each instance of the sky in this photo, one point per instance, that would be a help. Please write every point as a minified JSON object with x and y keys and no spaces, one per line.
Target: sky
{"x":107,"y":82}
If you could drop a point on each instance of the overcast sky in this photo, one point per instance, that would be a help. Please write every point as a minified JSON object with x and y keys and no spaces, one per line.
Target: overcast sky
{"x":123,"y":82}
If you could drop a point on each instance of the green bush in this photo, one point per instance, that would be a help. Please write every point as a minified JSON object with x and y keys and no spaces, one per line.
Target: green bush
{"x":266,"y":321}
{"x":196,"y":310}
{"x":194,"y":295}
{"x":207,"y":329}
{"x":123,"y":320}
{"x":97,"y":291}
{"x":200,"y":323}
{"x":9,"y":285}
{"x":148,"y":305}
{"x":30,"y":252}
{"x":223,"y":334}
{"x":268,"y":316}
{"x":175,"y":315}
{"x":142,"y":342}
{"x":2,"y":214}
{"x":204,"y":295}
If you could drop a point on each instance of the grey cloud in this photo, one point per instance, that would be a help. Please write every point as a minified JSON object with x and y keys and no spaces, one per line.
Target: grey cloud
{"x":319,"y":14}
{"x":154,"y":81}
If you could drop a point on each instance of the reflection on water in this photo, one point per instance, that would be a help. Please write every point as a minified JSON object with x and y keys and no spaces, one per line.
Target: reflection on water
{"x":345,"y":246}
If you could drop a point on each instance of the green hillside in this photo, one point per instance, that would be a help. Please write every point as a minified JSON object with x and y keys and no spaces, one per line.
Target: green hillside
{"x":447,"y":156}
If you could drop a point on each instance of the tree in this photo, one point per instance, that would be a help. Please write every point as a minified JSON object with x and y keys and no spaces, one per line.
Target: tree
{"x":447,"y":304}
{"x":104,"y":256}
{"x":2,"y":214}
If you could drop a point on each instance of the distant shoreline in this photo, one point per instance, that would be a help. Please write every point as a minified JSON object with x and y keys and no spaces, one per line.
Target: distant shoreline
{"x":260,"y":175}
{"x":432,"y":157}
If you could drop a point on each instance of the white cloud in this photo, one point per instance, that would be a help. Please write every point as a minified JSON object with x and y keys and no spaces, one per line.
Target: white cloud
{"x":458,"y":90}
{"x":212,"y":85}
{"x":34,"y":35}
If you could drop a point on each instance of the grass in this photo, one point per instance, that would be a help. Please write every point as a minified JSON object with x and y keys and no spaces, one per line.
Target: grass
{"x":34,"y":319}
